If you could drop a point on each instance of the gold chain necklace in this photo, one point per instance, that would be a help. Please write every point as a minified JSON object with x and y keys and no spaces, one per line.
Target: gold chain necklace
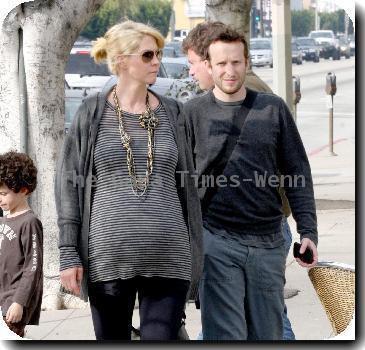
{"x":149,"y":121}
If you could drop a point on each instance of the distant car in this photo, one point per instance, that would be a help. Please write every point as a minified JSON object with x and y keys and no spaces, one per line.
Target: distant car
{"x":261,"y":52}
{"x":180,"y":34}
{"x":351,"y":39}
{"x":176,"y":68}
{"x":296,"y":54}
{"x":177,"y":45}
{"x":329,"y":42}
{"x":73,"y":99}
{"x":344,"y":47}
{"x":169,"y":51}
{"x":309,"y":47}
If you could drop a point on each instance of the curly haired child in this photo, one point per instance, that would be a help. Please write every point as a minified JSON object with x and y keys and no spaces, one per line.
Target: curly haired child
{"x":21,"y":244}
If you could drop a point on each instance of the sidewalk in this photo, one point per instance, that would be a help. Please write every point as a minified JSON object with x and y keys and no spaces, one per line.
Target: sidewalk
{"x":334,"y":179}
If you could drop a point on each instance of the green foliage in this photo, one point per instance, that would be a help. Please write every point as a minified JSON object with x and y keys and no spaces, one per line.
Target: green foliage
{"x":302,"y":22}
{"x":331,"y":21}
{"x":153,"y":12}
{"x":335,"y":21}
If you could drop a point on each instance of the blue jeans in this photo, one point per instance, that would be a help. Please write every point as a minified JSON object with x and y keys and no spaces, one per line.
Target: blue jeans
{"x":288,"y":333}
{"x":241,"y":291}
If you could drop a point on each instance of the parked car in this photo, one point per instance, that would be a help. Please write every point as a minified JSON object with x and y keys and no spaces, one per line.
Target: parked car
{"x":176,"y":68}
{"x":351,"y":39}
{"x":169,"y":51}
{"x":296,"y":53}
{"x":261,"y":52}
{"x":177,"y":45}
{"x":309,"y":47}
{"x":180,"y":34}
{"x":327,"y":39}
{"x":344,"y":47}
{"x":73,"y":99}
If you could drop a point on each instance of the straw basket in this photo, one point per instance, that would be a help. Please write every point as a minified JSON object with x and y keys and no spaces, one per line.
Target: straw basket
{"x":335,"y":286}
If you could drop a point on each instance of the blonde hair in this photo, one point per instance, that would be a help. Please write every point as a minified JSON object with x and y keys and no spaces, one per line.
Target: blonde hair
{"x":123,"y":38}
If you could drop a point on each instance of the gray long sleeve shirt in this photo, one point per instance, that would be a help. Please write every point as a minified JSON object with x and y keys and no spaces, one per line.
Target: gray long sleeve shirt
{"x":246,"y":201}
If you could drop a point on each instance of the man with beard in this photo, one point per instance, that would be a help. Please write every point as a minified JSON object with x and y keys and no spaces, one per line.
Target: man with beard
{"x":195,"y":47}
{"x":241,"y":141}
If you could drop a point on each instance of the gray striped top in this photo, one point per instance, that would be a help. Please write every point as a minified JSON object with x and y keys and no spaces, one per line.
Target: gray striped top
{"x":131,"y":236}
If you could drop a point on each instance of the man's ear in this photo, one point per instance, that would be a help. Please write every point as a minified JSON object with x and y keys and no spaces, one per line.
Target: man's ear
{"x":208,"y":66}
{"x":248,"y":64}
{"x":24,"y":191}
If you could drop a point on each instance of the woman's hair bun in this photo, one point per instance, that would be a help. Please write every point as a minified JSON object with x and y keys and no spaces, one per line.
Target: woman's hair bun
{"x":99,"y":50}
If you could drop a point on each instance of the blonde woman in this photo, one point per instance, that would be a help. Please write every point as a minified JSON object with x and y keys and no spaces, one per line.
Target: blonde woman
{"x":128,"y":211}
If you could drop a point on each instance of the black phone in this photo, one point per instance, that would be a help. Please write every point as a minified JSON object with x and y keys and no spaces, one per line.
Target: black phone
{"x":306,"y":257}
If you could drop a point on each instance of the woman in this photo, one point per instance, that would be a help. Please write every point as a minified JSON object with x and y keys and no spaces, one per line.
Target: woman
{"x":128,"y":211}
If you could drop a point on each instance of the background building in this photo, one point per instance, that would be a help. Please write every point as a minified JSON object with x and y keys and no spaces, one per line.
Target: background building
{"x":188,"y":13}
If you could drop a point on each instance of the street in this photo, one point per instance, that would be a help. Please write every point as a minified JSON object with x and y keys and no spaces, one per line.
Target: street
{"x":312,"y":111}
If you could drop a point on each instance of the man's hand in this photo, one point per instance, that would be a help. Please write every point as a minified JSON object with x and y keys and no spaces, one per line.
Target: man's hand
{"x":306,"y":242}
{"x":15,"y":313}
{"x":71,"y":279}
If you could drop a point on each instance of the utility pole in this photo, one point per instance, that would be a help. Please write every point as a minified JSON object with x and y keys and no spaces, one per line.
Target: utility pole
{"x":316,"y":17}
{"x":346,"y":25}
{"x":281,"y":43}
{"x":262,"y":31}
{"x":253,"y":19}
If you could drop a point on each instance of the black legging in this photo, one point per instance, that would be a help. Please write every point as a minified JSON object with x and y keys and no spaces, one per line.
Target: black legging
{"x":161,"y":307}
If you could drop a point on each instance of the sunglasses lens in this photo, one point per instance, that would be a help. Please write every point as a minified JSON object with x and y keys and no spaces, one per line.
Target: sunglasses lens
{"x":147,"y":56}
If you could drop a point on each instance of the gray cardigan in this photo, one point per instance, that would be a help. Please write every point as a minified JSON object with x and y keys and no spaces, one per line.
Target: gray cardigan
{"x":74,"y":178}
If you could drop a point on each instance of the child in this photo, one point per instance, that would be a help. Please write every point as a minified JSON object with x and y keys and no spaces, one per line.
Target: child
{"x":21,"y":244}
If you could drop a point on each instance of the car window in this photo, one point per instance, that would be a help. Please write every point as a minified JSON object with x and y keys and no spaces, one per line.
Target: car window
{"x":307,"y":41}
{"x":82,"y":63}
{"x":260,"y":45}
{"x":321,"y":35}
{"x":169,"y":51}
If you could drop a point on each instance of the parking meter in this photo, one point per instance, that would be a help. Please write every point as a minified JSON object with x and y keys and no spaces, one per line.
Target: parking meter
{"x":296,"y":89}
{"x":331,"y":87}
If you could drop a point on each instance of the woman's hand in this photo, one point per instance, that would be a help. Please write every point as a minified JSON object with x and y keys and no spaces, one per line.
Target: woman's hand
{"x":71,"y":279}
{"x":15,"y":313}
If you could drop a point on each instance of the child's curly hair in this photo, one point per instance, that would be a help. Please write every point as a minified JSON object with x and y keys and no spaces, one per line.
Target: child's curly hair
{"x":17,"y":171}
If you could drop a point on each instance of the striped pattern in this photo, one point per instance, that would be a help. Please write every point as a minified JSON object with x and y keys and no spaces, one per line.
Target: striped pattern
{"x":69,"y":258}
{"x":132,"y":236}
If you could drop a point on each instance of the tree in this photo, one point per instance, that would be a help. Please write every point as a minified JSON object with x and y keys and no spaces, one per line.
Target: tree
{"x":302,"y":22}
{"x":44,"y":31}
{"x":156,"y":13}
{"x":112,"y":12}
{"x":331,"y":21}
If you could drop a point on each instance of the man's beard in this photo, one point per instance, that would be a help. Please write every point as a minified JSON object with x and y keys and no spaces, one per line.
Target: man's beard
{"x":229,"y":91}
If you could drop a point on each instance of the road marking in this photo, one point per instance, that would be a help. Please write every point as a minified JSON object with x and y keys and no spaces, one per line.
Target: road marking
{"x":320,"y":149}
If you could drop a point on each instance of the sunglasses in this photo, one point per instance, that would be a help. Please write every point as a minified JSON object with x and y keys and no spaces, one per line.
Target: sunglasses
{"x":147,"y":56}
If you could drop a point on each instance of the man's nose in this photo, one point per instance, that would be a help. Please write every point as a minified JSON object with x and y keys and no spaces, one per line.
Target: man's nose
{"x":229,"y":69}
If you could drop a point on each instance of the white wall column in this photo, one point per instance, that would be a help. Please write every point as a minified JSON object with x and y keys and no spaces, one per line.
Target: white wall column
{"x":281,"y":41}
